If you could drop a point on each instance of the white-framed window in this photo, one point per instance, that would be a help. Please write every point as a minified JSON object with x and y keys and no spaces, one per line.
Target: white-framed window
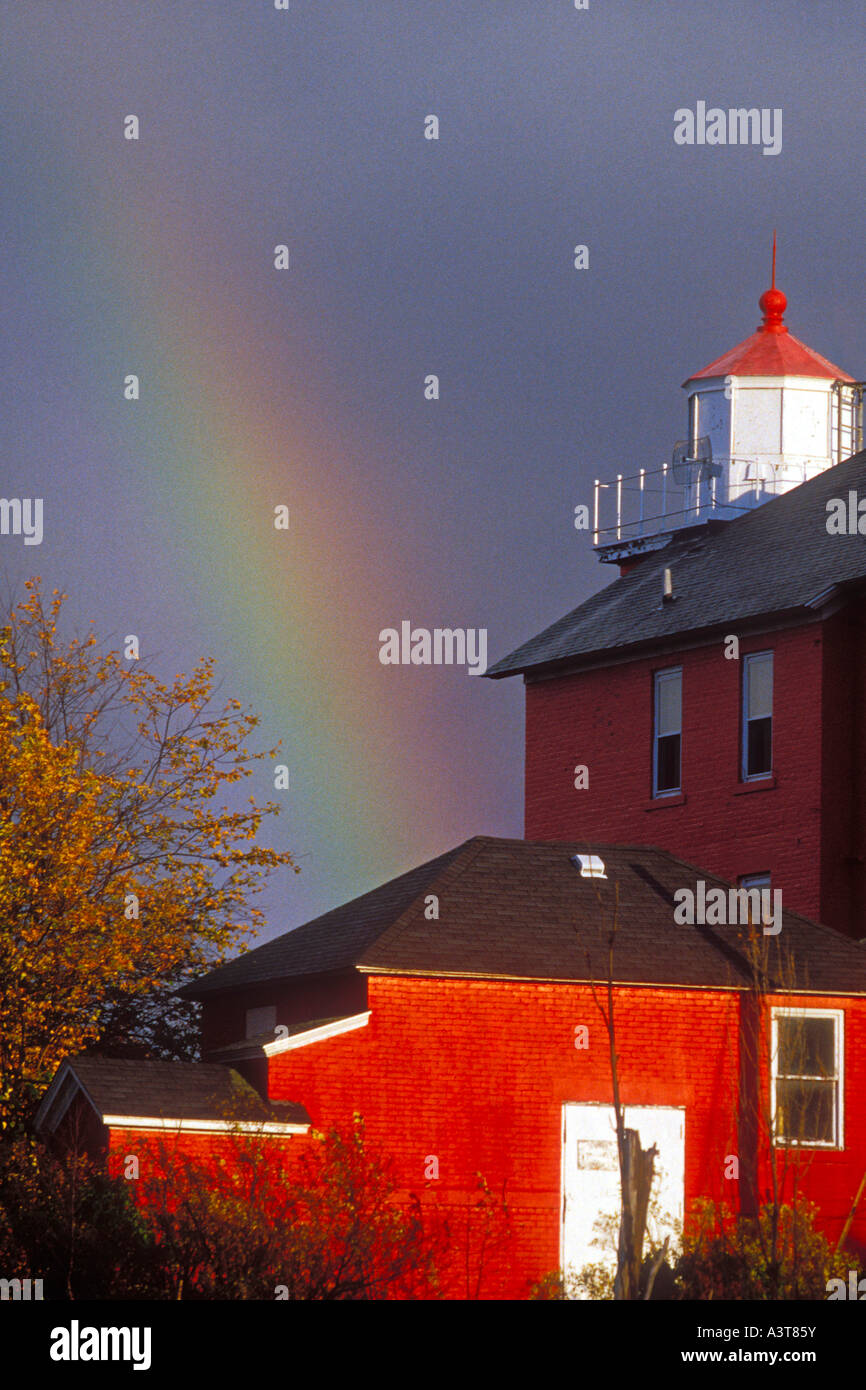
{"x":667,"y":731}
{"x":807,"y":1077}
{"x":261,"y":1020}
{"x":757,"y":715}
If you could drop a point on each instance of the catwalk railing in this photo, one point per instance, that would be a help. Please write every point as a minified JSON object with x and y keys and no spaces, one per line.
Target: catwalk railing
{"x":655,"y":501}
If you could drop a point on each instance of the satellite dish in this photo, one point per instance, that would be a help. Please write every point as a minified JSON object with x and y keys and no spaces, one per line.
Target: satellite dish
{"x":693,"y":462}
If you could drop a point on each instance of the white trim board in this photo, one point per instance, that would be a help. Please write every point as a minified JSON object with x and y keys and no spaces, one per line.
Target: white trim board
{"x":313,"y":1035}
{"x":204,"y":1126}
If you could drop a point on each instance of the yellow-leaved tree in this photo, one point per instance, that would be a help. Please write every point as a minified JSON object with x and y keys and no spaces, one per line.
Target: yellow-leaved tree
{"x":122,"y":869}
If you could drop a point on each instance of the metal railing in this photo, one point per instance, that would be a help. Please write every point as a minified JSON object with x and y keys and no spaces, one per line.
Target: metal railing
{"x":652,"y":502}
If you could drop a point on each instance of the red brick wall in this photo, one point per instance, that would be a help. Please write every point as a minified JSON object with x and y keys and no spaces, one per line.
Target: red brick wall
{"x":603,"y":719}
{"x":829,"y":1177}
{"x":476,"y":1073}
{"x":162,"y":1155}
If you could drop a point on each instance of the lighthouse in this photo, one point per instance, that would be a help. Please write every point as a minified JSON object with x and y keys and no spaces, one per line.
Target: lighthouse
{"x":765,"y":416}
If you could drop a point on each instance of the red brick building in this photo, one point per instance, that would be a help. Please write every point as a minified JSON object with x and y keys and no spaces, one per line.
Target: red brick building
{"x":702,"y":710}
{"x":781,"y":585}
{"x":475,"y":1044}
{"x":722,"y":602}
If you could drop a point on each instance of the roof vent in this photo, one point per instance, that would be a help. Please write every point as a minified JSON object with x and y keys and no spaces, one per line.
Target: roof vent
{"x":590,"y":865}
{"x":668,"y":587}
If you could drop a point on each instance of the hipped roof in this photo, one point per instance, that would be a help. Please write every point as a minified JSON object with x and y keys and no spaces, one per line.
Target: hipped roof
{"x":516,"y":909}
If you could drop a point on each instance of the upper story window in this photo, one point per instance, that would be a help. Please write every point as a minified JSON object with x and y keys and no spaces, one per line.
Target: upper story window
{"x":757,"y":715}
{"x":760,"y":883}
{"x":261,"y":1020}
{"x":667,"y":731}
{"x":807,"y":1077}
{"x":754,"y":880}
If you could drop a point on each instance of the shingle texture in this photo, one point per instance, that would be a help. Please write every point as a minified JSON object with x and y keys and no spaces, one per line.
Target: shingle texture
{"x":331,"y":942}
{"x":517,"y":909}
{"x":774,"y":560}
{"x":174,"y":1090}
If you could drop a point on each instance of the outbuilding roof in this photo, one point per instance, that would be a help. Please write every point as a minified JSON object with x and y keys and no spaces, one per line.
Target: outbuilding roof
{"x":195,"y":1092}
{"x":325,"y":944}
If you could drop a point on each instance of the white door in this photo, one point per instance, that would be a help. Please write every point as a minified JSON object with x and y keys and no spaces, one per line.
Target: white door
{"x":590,"y":1176}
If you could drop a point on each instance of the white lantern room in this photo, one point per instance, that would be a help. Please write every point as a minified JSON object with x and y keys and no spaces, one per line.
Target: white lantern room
{"x":766,"y":416}
{"x":774,"y":412}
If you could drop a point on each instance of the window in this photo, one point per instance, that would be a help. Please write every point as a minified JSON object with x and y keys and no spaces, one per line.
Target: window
{"x":667,"y":731}
{"x":807,"y":1077}
{"x":261,"y":1020}
{"x":757,"y":715}
{"x":761,"y":882}
{"x":754,"y":881}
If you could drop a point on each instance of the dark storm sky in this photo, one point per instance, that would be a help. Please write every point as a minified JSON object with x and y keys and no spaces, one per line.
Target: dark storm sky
{"x":407,"y":257}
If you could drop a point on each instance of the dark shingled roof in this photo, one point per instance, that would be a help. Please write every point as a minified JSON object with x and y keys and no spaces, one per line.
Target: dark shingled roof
{"x":776,"y":560}
{"x":328,"y":943}
{"x":519,"y":910}
{"x":173,"y":1091}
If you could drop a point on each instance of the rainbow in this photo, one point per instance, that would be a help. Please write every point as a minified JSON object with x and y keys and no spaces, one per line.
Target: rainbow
{"x":239,"y":415}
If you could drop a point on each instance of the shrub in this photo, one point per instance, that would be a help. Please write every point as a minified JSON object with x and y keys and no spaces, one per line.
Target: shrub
{"x":777,"y":1255}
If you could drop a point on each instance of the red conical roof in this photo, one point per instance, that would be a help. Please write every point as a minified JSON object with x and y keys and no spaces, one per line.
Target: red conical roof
{"x":772,"y":350}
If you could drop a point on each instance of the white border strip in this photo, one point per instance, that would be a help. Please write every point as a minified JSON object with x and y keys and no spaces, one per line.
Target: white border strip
{"x":204,"y":1126}
{"x":312,"y":1035}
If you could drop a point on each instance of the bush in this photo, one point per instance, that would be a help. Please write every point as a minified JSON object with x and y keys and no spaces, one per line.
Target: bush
{"x":63,"y":1220}
{"x":331,"y":1230}
{"x":777,"y":1255}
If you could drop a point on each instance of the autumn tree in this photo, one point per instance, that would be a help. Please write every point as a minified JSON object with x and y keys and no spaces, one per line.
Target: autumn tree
{"x":122,"y":869}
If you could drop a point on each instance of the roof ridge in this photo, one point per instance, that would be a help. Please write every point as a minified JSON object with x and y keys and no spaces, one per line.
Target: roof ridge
{"x":453,"y":869}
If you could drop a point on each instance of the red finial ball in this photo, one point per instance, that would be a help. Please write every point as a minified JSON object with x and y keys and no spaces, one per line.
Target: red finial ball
{"x":773,"y":304}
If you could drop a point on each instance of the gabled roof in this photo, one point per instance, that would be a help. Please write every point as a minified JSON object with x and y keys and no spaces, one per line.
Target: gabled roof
{"x":775,"y":560}
{"x":199,"y":1094}
{"x":328,"y":943}
{"x":512,"y":909}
